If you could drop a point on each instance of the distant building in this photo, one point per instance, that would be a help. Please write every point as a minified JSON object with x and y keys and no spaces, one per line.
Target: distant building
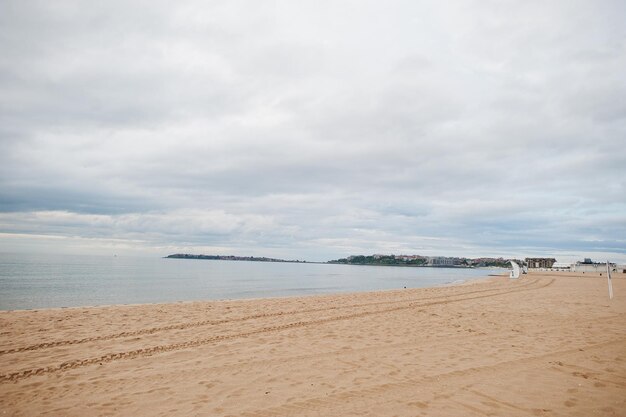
{"x":582,"y":267}
{"x":586,"y":265}
{"x":408,"y":258}
{"x":540,"y":262}
{"x":589,"y":266}
{"x":443,"y":261}
{"x":561,"y":266}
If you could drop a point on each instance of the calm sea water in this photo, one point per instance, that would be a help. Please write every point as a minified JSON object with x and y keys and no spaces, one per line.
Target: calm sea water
{"x":41,"y":281}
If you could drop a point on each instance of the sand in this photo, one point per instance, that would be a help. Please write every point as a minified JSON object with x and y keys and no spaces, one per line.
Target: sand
{"x":549,"y":344}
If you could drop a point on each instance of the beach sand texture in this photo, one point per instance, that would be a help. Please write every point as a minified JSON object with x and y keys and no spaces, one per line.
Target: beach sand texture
{"x":548,"y":344}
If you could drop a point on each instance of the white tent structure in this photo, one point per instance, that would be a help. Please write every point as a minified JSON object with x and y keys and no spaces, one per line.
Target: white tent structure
{"x":515,"y":272}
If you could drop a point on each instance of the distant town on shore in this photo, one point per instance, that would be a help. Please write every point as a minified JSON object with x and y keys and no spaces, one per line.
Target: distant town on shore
{"x":587,"y":265}
{"x":419,"y":260}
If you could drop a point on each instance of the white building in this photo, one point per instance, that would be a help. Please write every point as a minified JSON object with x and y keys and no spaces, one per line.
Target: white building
{"x":581,"y":267}
{"x":561,"y":266}
{"x":594,"y":267}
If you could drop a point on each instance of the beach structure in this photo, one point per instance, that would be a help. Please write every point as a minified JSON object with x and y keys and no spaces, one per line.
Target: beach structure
{"x":537,"y":263}
{"x":589,"y":266}
{"x":515,"y":271}
{"x":562,"y":266}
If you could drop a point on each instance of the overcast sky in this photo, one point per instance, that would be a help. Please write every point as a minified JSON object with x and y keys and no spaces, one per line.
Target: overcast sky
{"x":314,"y":129}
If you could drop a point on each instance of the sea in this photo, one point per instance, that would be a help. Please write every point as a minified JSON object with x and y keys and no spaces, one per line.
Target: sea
{"x":33,"y":281}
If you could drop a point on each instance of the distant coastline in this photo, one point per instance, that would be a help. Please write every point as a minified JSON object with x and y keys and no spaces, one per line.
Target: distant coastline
{"x":370,"y":260}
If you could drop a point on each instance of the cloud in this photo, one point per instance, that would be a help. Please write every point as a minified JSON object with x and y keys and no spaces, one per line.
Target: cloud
{"x":316,"y":130}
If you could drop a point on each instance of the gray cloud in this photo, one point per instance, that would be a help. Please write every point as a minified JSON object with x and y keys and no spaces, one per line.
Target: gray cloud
{"x":315,"y":129}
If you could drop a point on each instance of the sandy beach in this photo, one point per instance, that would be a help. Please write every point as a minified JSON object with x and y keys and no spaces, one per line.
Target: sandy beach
{"x":549,"y":344}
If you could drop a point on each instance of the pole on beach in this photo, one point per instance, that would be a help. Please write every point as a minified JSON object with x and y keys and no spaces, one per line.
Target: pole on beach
{"x":608,"y":277}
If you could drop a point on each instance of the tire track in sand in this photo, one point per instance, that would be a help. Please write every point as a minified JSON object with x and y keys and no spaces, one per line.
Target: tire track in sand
{"x":188,"y":325}
{"x":315,"y":404}
{"x":149,"y":351}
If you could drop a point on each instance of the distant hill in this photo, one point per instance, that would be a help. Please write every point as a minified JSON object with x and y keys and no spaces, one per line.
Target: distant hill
{"x":382,"y":260}
{"x":229,"y":258}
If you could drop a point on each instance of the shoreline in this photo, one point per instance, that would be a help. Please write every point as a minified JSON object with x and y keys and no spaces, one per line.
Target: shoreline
{"x":321,"y":294}
{"x":544,"y":344}
{"x":468,"y":281}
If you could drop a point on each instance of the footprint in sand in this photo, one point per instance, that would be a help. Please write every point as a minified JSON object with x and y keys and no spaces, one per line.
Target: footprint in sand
{"x":419,"y":404}
{"x":570,"y":403}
